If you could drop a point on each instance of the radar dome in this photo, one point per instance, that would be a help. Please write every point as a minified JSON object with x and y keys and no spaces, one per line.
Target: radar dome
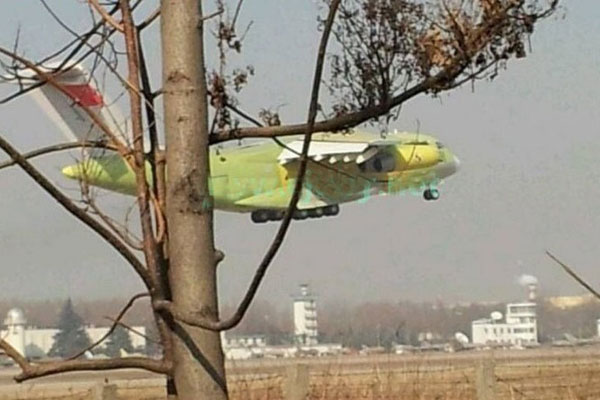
{"x":496,"y":316}
{"x":15,"y":317}
{"x":461,"y":338}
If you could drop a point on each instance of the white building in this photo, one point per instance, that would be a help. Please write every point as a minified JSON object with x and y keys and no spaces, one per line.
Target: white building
{"x":243,"y":347}
{"x":36,"y":343}
{"x":305,"y":317}
{"x":519,"y":328}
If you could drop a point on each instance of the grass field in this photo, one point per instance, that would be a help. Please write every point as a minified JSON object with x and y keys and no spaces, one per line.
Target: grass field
{"x":568,"y":374}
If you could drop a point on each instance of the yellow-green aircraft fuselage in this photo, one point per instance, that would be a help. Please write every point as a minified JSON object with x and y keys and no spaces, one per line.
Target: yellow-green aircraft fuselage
{"x":260,"y":178}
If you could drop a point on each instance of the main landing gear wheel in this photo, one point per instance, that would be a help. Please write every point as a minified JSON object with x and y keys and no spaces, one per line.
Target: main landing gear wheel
{"x":332,"y":210}
{"x":316,"y":212}
{"x":259,"y":216}
{"x":431,"y":194}
{"x":301,"y":214}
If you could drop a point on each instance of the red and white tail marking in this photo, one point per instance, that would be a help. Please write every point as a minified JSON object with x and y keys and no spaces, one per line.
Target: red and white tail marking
{"x":84,"y":95}
{"x":65,"y":109}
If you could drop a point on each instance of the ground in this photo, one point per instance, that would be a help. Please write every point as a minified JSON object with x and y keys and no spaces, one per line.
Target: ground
{"x":553,"y":373}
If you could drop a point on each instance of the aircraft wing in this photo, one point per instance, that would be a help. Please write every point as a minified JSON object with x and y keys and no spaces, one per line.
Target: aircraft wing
{"x":333,"y":151}
{"x":279,"y":199}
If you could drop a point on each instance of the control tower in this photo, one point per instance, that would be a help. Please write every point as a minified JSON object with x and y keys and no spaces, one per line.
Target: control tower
{"x":305,"y":317}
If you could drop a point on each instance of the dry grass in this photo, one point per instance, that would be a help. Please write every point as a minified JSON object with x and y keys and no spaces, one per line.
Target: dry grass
{"x":565,"y":375}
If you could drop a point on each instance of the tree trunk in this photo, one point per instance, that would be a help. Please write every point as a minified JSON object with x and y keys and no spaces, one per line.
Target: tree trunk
{"x":199,"y":370}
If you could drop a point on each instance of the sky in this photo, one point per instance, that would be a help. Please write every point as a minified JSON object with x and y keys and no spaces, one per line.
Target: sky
{"x":528,"y":144}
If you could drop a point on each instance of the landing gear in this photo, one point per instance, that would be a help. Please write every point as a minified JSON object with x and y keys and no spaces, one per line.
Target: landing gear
{"x":301,"y":214}
{"x":316,"y":212}
{"x":431,"y":194}
{"x":332,"y":210}
{"x":262,"y":216}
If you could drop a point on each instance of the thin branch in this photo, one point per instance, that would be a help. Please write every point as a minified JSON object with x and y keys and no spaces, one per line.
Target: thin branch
{"x":134,"y":331}
{"x":285,"y":223}
{"x":151,"y":18}
{"x":116,"y":321}
{"x":574,"y":275}
{"x":80,"y":214}
{"x":118,"y":229}
{"x":143,"y":192}
{"x":216,"y":13}
{"x":105,"y":15}
{"x":238,"y":8}
{"x":57,"y":148}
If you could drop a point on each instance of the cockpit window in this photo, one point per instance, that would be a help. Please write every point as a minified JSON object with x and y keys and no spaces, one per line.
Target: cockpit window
{"x":439,"y":145}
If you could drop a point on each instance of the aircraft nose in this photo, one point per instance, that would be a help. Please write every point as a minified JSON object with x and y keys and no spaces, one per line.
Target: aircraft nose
{"x":456,"y":163}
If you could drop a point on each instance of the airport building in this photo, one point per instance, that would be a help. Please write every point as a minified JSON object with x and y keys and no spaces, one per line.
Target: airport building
{"x":35,"y":343}
{"x":517,"y":328}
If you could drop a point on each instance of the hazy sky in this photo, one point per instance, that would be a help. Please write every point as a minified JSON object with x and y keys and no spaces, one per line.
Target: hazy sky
{"x":529,"y":178}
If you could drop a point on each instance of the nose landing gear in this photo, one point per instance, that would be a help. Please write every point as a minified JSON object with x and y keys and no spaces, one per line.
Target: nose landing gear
{"x":431,"y":194}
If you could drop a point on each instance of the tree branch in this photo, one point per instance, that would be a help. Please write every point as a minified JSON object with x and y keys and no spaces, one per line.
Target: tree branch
{"x":40,"y":370}
{"x":574,"y":275}
{"x":56,"y":148}
{"x":32,"y":371}
{"x":345,"y":121}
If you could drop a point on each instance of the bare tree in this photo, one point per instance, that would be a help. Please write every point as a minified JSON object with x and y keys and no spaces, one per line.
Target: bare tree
{"x":385,"y":53}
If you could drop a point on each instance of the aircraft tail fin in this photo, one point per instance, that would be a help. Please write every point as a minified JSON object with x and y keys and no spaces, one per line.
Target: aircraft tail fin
{"x":66,"y":109}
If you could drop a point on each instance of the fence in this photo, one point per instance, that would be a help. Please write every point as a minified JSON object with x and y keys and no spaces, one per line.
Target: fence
{"x":478,"y":377}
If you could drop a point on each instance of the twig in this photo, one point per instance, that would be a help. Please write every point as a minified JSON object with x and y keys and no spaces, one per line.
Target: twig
{"x":56,"y":148}
{"x":105,"y":15}
{"x":216,"y":13}
{"x":151,"y":18}
{"x":116,"y":321}
{"x":135,"y":331}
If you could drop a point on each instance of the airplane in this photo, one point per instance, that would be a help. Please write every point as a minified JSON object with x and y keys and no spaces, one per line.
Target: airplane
{"x":259,"y":178}
{"x":572,"y":341}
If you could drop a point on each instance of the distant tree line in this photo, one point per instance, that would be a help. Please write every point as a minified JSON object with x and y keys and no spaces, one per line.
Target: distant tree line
{"x":369,"y":323}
